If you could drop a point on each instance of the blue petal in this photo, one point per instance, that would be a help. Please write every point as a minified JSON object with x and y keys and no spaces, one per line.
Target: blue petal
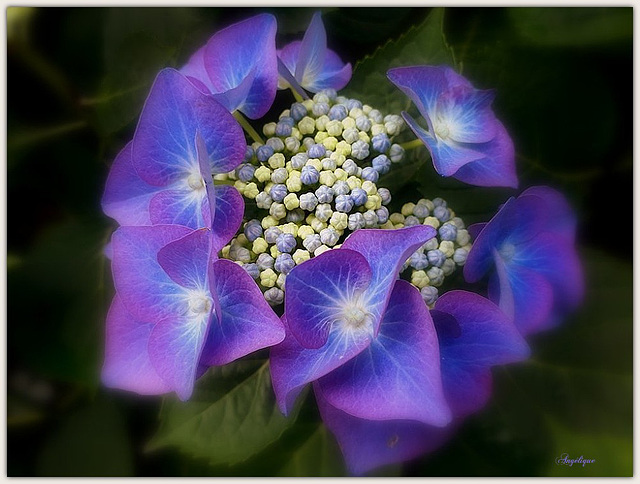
{"x":468,"y":115}
{"x":368,"y":444}
{"x":186,"y":260}
{"x":246,"y":323}
{"x":126,"y":360}
{"x":146,"y":290}
{"x":235,"y":52}
{"x":423,"y":85}
{"x":318,"y":291}
{"x":385,"y":252}
{"x":180,"y":207}
{"x":126,"y":196}
{"x":312,"y":52}
{"x":398,"y":375}
{"x":229,"y":210}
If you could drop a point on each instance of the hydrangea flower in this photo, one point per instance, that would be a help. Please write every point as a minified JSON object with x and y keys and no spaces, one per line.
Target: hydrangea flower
{"x":528,"y":248}
{"x":473,"y":335}
{"x":361,"y":334}
{"x":311,"y":64}
{"x":238,"y":65}
{"x":163,"y":176}
{"x":464,"y":137}
{"x":177,"y":310}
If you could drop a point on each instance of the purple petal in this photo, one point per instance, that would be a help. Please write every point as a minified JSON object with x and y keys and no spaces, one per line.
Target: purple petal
{"x":164,"y":150}
{"x":180,"y":207}
{"x":368,"y":444}
{"x":288,"y":55}
{"x":229,"y":210}
{"x":386,"y":251}
{"x":485,"y":337}
{"x":126,"y":196}
{"x":523,"y":295}
{"x":312,"y":52}
{"x":286,"y":80}
{"x":194,"y":70}
{"x":247,"y":322}
{"x":563,"y":218}
{"x":448,"y":158}
{"x":293,"y":366}
{"x":319,"y":292}
{"x":468,"y":115}
{"x":233,"y":53}
{"x":331,"y":78}
{"x":234,"y":97}
{"x":186,"y":260}
{"x":475,"y":229}
{"x":399,"y":371}
{"x":126,"y":360}
{"x":423,"y":85}
{"x":175,"y":345}
{"x":146,"y":290}
{"x":497,"y":167}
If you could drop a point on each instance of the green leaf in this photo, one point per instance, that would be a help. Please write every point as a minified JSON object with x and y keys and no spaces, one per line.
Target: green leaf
{"x":423,"y":44}
{"x":319,"y":456}
{"x":231,"y":416}
{"x":91,"y":442}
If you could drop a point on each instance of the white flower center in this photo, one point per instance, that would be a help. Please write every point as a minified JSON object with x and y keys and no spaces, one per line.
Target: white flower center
{"x":198,"y":303}
{"x":195,"y":181}
{"x":441,"y":128}
{"x":354,"y":316}
{"x":507,"y":251}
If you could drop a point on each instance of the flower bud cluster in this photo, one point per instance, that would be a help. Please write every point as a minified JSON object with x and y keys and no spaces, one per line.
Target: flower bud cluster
{"x":440,"y":256}
{"x":313,"y":182}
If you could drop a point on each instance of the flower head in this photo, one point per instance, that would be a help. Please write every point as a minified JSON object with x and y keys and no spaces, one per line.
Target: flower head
{"x":311,"y":64}
{"x":528,"y":248}
{"x":464,"y":137}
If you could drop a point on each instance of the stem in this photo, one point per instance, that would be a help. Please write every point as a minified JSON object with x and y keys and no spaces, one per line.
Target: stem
{"x":410,"y":145}
{"x":247,"y":127}
{"x":296,"y":94}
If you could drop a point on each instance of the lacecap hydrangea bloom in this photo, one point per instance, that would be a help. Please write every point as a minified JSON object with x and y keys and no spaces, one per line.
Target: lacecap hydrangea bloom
{"x":228,"y":246}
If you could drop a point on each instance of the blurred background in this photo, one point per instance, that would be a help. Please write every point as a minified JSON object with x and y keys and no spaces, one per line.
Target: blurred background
{"x":76,"y":81}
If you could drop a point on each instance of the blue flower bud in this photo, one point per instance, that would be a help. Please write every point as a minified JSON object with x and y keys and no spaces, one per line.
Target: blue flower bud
{"x":383,"y":215}
{"x":253,"y":230}
{"x":350,"y":167}
{"x":436,"y":257}
{"x":283,"y":129}
{"x":248,"y":154}
{"x":244,"y":172}
{"x":328,"y":163}
{"x":356,"y":221}
{"x":330,"y":93}
{"x":353,"y":103}
{"x":329,"y":236}
{"x":308,"y":202}
{"x":278,"y":192}
{"x":320,"y":108}
{"x":286,"y":120}
{"x":448,"y":232}
{"x":344,"y":203}
{"x":263,"y":200}
{"x":359,"y":197}
{"x":264,"y":152}
{"x":441,"y":213}
{"x":252,"y":269}
{"x":271,"y":235}
{"x":411,"y":220}
{"x":286,"y":242}
{"x":439,"y":202}
{"x":396,"y":153}
{"x":295,"y":216}
{"x":436,"y":276}
{"x":312,"y":242}
{"x":292,"y":144}
{"x":381,"y":143}
{"x":279,"y":175}
{"x":309,"y":175}
{"x":360,"y":150}
{"x":324,"y":194}
{"x":298,"y":111}
{"x":338,"y":112}
{"x":276,"y":143}
{"x":363,"y":123}
{"x":381,"y":164}
{"x":370,"y":219}
{"x":274,"y":296}
{"x":369,"y":173}
{"x":299,"y":160}
{"x":350,"y":135}
{"x":265,"y":261}
{"x":421,"y":211}
{"x":316,"y":151}
{"x":385,"y":195}
{"x":460,"y":256}
{"x":375,"y":116}
{"x":429,"y":294}
{"x":341,"y":188}
{"x":284,"y":263}
{"x":419,"y":260}
{"x":323,"y":212}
